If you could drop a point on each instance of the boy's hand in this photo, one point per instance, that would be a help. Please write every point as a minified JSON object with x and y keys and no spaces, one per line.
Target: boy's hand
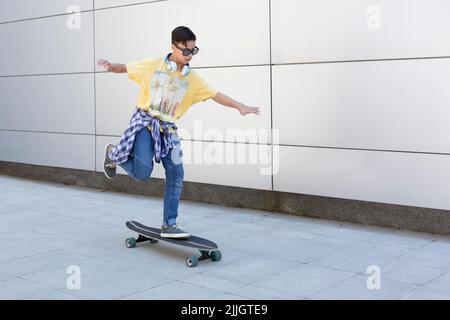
{"x":105,"y":64}
{"x":243,"y":109}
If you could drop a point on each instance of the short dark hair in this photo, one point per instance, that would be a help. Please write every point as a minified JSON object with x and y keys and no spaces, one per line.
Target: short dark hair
{"x":182,"y":34}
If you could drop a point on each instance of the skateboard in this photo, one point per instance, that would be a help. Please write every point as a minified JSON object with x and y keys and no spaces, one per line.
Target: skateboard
{"x":207,"y":248}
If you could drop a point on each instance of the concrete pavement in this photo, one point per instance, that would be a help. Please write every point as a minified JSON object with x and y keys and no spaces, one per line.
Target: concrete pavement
{"x":51,"y":233}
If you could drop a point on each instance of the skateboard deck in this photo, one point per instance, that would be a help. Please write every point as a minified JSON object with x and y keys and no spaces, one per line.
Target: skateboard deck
{"x":207,"y":248}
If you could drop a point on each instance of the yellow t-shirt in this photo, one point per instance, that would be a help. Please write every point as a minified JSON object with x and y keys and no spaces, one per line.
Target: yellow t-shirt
{"x":166,"y":95}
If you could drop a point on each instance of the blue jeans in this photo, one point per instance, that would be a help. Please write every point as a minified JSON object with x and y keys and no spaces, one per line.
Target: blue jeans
{"x":140,"y":166}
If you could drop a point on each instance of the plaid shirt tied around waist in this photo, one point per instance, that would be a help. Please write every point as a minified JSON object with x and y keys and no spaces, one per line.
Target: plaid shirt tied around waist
{"x":163,"y":134}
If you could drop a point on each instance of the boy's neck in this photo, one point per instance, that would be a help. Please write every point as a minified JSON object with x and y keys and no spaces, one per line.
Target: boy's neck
{"x":179,"y":65}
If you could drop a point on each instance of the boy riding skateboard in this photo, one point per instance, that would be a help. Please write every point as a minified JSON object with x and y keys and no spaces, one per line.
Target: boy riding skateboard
{"x":168,"y":88}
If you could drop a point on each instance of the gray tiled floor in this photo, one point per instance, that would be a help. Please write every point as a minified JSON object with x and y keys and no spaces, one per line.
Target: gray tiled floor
{"x":46,"y":227}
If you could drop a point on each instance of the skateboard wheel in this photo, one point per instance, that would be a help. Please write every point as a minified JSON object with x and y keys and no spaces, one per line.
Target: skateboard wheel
{"x":191,"y":261}
{"x":153,"y":241}
{"x":130,"y":242}
{"x":215,"y":255}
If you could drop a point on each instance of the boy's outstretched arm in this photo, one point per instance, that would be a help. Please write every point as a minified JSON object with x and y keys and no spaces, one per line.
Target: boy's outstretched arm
{"x":113,"y":67}
{"x":227,"y":101}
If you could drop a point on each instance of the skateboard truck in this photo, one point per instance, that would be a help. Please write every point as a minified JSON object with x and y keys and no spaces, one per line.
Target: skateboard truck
{"x":215,"y":256}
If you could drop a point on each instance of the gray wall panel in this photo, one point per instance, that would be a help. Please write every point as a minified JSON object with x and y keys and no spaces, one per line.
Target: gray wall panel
{"x":389,"y":177}
{"x":11,"y":10}
{"x":49,"y":149}
{"x":47,"y":46}
{"x":330,"y":30}
{"x":29,"y":104}
{"x":393,"y":105}
{"x":134,"y":32}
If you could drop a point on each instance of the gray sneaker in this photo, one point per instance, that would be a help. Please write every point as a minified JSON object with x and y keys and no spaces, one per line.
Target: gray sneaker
{"x":173,"y":232}
{"x":109,"y":166}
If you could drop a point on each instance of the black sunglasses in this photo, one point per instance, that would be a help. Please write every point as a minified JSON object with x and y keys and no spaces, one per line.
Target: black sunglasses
{"x":186,"y":51}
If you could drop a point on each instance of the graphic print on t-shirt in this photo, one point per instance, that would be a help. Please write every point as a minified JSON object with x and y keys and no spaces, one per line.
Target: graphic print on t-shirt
{"x":166,"y":93}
